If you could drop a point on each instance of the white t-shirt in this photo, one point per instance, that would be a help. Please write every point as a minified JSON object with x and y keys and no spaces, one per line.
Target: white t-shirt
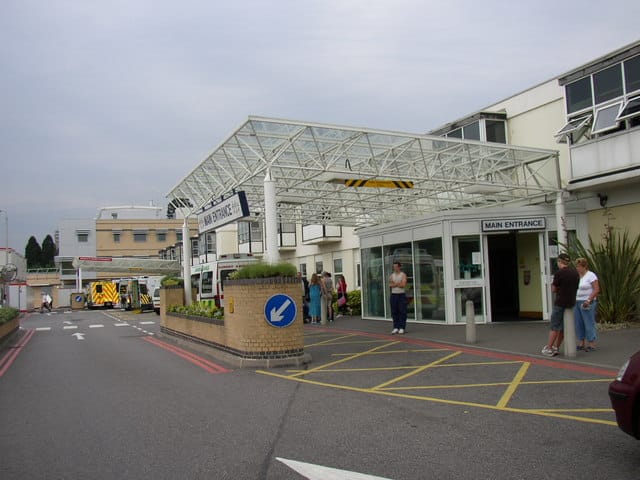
{"x":585,"y":289}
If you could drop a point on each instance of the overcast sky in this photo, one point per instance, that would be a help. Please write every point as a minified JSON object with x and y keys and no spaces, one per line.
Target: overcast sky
{"x":113,"y":102}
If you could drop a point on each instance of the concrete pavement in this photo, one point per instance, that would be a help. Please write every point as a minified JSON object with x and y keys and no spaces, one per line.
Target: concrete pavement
{"x":517,"y":337}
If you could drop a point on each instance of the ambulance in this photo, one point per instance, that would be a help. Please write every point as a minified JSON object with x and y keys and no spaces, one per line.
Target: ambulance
{"x":207,"y":279}
{"x":102,"y":294}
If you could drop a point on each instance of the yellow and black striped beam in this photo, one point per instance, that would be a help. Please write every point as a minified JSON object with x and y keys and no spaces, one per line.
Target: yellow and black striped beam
{"x":375,"y":183}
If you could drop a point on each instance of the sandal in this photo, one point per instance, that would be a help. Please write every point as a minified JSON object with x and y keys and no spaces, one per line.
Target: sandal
{"x":589,"y":349}
{"x":580,"y":347}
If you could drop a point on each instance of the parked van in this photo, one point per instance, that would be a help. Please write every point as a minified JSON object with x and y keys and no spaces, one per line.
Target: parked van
{"x":207,"y":279}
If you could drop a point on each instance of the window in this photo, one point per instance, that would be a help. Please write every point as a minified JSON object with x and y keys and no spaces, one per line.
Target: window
{"x":337,"y":265}
{"x":455,"y":134}
{"x":496,"y":131}
{"x":606,"y":118}
{"x":574,"y":129}
{"x":607,"y":84}
{"x":630,"y":109}
{"x":318,"y":267}
{"x":116,"y":237}
{"x":210,"y":239}
{"x":139,"y":235}
{"x":472,"y":131}
{"x":82,"y":236}
{"x":303,"y":269}
{"x":632,"y":74}
{"x":178,"y":235}
{"x":161,"y":235}
{"x":243,"y":232}
{"x":578,"y":95}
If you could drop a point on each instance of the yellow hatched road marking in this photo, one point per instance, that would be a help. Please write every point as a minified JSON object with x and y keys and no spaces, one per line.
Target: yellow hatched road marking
{"x":440,"y":400}
{"x":342,"y":360}
{"x":387,"y":352}
{"x":329,"y":340}
{"x":513,"y":386}
{"x":416,"y":371}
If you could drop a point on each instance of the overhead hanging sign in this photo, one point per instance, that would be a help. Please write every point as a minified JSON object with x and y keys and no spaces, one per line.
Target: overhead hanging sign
{"x":227,"y":211}
{"x":378,"y":183}
{"x":509,"y":224}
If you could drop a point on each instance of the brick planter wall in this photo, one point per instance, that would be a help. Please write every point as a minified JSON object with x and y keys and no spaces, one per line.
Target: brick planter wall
{"x":9,"y":327}
{"x":245,"y":336}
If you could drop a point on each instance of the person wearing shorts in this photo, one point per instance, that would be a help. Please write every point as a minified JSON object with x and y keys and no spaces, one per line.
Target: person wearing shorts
{"x":564,"y":285}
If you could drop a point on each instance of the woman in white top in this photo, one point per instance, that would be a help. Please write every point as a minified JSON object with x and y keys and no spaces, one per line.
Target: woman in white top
{"x":398,"y":282}
{"x":585,"y":309}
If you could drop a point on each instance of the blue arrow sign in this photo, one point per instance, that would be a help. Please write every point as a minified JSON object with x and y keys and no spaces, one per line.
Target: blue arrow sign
{"x":280,"y":310}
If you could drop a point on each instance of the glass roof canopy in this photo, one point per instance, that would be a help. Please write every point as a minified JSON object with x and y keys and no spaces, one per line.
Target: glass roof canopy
{"x":314,"y":164}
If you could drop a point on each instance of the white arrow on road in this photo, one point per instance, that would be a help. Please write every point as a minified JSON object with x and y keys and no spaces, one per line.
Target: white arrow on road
{"x":276,"y":315}
{"x":318,"y":472}
{"x":78,"y":335}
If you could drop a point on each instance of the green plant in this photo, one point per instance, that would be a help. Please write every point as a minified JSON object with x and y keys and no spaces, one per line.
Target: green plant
{"x":172,"y":281}
{"x":616,"y":261}
{"x":265,"y":270}
{"x":7,"y":314}
{"x":198,"y":309}
{"x":353,"y":302}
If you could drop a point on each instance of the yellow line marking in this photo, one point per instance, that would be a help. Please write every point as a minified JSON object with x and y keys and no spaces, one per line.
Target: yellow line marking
{"x":513,"y":386}
{"x":329,"y":340}
{"x":577,"y":410}
{"x":402,"y":351}
{"x":416,"y":371}
{"x":439,"y":400}
{"x":320,"y":367}
{"x":354,"y":342}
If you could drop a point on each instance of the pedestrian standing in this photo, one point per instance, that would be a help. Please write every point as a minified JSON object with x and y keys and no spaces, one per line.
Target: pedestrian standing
{"x":398,"y":282}
{"x":341,"y":289}
{"x":585,"y":309}
{"x":564,"y":285}
{"x":315,"y":292}
{"x":327,"y":291}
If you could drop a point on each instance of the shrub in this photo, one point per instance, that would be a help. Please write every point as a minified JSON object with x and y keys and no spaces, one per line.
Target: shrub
{"x":172,"y":281}
{"x":265,"y":270}
{"x":353,"y":302}
{"x":7,"y":314}
{"x":198,"y":309}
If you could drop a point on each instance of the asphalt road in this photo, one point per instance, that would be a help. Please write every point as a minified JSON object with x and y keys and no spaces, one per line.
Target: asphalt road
{"x":82,"y":400}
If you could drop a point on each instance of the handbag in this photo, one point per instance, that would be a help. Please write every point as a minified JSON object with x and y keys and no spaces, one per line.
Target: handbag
{"x":342,"y":301}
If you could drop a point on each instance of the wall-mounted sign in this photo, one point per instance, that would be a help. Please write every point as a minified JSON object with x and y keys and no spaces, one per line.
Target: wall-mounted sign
{"x":502,"y":224}
{"x":280,"y":310}
{"x":227,"y":211}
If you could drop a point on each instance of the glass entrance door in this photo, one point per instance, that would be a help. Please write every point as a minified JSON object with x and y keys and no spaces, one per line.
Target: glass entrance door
{"x":469,"y":280}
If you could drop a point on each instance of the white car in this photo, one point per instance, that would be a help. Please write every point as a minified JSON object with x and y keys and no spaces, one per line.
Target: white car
{"x":156,"y":301}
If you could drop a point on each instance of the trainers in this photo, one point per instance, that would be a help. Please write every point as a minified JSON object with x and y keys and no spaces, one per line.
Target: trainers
{"x":555,"y":351}
{"x":547,"y":351}
{"x":394,"y":331}
{"x":401,"y":331}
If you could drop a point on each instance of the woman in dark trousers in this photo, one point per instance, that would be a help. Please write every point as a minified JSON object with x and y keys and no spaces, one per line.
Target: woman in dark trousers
{"x":398,"y":282}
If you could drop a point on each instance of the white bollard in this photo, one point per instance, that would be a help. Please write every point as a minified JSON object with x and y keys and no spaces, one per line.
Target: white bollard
{"x":471,"y":322}
{"x":323,"y":310}
{"x":569,"y":333}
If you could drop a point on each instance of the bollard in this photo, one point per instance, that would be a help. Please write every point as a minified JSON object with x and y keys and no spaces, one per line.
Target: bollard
{"x":569,"y":333}
{"x":323,"y":310}
{"x":471,"y":322}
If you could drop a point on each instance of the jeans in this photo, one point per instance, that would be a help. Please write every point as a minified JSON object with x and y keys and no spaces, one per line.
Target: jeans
{"x":399,"y":310}
{"x":585,"y":319}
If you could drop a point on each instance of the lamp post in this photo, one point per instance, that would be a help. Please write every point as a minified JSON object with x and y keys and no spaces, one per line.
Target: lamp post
{"x":6,"y":252}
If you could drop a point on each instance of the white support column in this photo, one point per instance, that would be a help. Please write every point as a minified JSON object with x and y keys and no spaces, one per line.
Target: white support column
{"x":79,"y":280}
{"x":561,"y":221}
{"x":272,"y":254}
{"x":186,"y":260}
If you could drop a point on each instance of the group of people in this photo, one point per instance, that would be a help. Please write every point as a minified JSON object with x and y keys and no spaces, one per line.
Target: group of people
{"x":320,"y":288}
{"x":576,"y":288}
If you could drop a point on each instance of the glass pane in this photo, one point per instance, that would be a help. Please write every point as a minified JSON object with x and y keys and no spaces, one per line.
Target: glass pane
{"x":630,"y":109}
{"x":400,"y":253}
{"x":373,"y":285}
{"x":468,"y":260}
{"x":462,"y":296}
{"x":607,"y":84}
{"x":429,"y":273}
{"x":578,"y":95}
{"x":496,"y":131}
{"x":632,"y":74}
{"x":472,"y":131}
{"x":605,"y":118}
{"x":337,"y":265}
{"x":455,"y":134}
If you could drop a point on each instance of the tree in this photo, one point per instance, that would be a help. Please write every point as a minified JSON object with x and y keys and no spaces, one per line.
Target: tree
{"x":33,"y":253}
{"x":49,"y":252}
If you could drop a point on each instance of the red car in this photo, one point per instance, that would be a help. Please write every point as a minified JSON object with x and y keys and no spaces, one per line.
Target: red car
{"x":624,"y":393}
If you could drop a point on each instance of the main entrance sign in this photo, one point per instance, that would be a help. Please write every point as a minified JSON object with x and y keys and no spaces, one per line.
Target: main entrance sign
{"x":228,"y":210}
{"x":510,"y":224}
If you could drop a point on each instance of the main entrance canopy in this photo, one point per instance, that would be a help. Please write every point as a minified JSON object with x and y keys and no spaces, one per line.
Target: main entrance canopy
{"x":328,"y":174}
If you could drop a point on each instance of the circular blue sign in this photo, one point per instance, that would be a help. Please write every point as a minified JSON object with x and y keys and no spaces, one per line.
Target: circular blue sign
{"x":280,"y":310}
{"x":79,"y":298}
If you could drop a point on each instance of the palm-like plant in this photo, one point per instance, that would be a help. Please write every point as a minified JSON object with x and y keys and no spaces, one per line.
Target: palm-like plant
{"x":616,"y":261}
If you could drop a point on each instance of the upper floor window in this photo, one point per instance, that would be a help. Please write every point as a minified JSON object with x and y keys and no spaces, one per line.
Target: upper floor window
{"x":116,"y":236}
{"x":632,"y":74}
{"x":139,"y":235}
{"x":579,"y":95}
{"x":178,"y":235}
{"x":484,"y":129}
{"x":607,"y":84}
{"x":161,"y":235}
{"x":82,"y":236}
